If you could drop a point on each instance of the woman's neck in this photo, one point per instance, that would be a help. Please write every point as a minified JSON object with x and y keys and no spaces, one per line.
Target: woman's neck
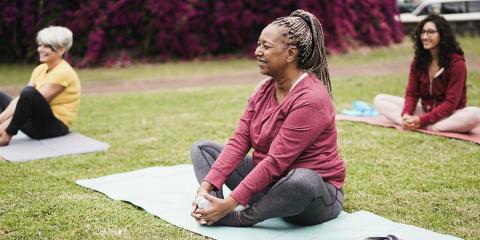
{"x":52,"y":64}
{"x":284,"y":83}
{"x":434,"y":54}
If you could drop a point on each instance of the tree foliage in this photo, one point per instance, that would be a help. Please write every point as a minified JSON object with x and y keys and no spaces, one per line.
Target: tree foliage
{"x":113,"y":31}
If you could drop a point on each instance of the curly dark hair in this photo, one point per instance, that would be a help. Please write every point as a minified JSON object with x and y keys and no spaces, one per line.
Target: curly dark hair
{"x":448,"y":43}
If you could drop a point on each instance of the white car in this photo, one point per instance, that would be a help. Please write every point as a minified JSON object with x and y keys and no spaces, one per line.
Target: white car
{"x":452,"y":10}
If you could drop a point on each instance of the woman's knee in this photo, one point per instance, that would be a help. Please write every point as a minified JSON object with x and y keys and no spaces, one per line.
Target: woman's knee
{"x":4,"y":101}
{"x":199,"y":144}
{"x":472,"y":113}
{"x":5,"y":97}
{"x":195,"y":150}
{"x":469,"y":115}
{"x":202,"y":144}
{"x":303,"y":179}
{"x":381,"y":99}
{"x":202,"y":147}
{"x":29,"y":92}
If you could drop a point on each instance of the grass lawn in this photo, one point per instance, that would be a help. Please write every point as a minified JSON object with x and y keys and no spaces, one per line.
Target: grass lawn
{"x":19,"y":74}
{"x":412,"y":178}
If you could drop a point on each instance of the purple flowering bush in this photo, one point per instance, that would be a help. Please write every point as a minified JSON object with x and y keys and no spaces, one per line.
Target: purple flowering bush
{"x":112,"y":32}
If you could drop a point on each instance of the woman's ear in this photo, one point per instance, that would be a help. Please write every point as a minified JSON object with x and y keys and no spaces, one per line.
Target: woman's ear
{"x":61,"y":51}
{"x":292,"y":53}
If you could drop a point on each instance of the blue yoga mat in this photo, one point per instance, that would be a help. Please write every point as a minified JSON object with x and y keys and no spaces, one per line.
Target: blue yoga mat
{"x":167,"y":192}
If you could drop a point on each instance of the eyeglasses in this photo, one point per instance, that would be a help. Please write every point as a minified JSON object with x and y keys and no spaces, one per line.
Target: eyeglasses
{"x":429,"y":32}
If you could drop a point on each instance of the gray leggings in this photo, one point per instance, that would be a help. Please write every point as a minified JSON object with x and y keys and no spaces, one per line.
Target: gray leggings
{"x":301,"y":197}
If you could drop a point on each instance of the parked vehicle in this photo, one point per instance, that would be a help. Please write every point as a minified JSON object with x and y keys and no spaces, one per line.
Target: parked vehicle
{"x":464,"y":15}
{"x":406,"y":6}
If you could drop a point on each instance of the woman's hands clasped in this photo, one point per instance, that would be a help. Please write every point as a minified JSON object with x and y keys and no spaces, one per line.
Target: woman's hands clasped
{"x":214,"y":209}
{"x":410,"y":122}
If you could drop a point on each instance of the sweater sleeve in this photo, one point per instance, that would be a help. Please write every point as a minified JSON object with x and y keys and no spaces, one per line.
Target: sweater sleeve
{"x":456,"y":83}
{"x":300,"y":128}
{"x":412,"y":93}
{"x":234,"y":151}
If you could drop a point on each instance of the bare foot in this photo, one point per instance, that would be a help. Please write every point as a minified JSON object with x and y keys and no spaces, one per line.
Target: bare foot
{"x":5,"y":139}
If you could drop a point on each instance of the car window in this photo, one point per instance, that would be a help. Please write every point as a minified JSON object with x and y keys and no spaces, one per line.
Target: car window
{"x":453,"y":7}
{"x":431,"y":8}
{"x":473,"y":6}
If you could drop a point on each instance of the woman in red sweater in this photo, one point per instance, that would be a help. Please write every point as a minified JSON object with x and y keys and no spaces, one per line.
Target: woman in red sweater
{"x":295,"y":171}
{"x":438,"y":78}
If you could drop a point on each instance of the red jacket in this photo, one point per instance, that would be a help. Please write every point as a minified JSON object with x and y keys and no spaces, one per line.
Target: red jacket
{"x":441,"y":96}
{"x":298,"y":133}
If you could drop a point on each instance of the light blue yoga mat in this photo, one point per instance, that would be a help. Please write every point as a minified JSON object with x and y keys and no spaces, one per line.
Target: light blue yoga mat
{"x":23,"y":148}
{"x":167,"y":192}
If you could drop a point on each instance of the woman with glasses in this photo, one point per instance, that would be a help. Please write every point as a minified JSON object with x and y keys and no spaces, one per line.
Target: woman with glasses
{"x":49,"y":103}
{"x":295,"y":171}
{"x":438,"y":78}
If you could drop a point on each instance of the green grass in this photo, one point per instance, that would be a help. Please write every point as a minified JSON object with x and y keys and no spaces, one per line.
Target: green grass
{"x":19,"y":75}
{"x":396,"y":52}
{"x":372,"y":55}
{"x":412,"y":178}
{"x":365,"y":88}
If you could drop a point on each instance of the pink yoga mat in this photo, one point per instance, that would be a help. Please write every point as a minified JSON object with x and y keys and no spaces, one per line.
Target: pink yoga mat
{"x":473,"y":136}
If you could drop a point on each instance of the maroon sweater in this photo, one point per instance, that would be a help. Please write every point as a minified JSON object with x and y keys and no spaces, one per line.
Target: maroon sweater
{"x":440,"y":96}
{"x":298,"y":133}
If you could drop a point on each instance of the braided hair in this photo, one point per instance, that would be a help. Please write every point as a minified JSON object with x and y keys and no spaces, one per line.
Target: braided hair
{"x":304,"y":31}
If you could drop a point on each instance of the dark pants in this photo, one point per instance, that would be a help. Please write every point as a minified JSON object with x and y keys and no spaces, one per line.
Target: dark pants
{"x":33,"y":116}
{"x":301,"y":197}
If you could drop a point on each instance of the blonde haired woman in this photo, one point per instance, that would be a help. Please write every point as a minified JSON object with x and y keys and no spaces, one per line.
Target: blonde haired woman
{"x":48,"y":105}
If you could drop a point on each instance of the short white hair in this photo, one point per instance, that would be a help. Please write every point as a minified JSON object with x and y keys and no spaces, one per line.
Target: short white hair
{"x":57,"y":37}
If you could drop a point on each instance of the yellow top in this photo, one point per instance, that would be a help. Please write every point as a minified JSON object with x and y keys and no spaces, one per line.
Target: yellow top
{"x":65,"y":105}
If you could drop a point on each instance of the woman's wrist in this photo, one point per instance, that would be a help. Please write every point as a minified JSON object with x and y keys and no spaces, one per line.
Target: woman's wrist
{"x":208,"y":187}
{"x":232,"y":203}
